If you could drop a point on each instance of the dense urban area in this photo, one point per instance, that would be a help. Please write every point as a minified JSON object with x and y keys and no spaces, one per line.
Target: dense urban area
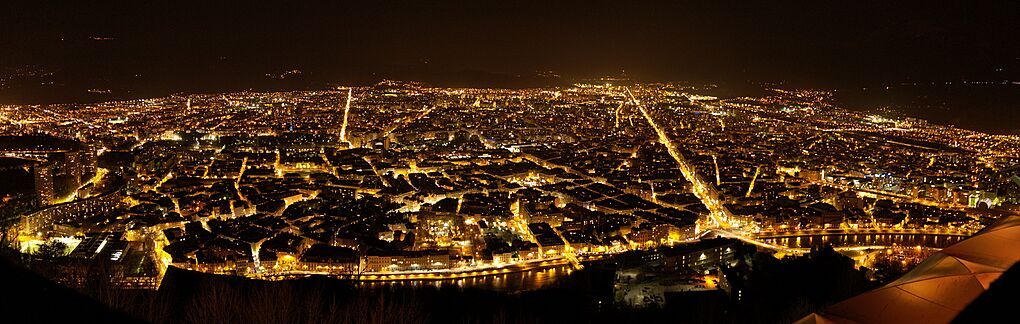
{"x":403,"y":182}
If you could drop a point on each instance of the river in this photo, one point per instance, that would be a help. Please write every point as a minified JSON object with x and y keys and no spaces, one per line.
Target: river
{"x":507,"y":282}
{"x":837,"y":240}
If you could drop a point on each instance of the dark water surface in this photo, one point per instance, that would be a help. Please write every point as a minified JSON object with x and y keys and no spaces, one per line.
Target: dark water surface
{"x":981,"y":107}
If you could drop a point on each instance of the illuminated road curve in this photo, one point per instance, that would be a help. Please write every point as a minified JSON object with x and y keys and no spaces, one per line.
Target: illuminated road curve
{"x":750,"y":240}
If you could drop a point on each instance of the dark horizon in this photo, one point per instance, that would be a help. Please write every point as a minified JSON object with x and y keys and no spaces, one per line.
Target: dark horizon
{"x":114,"y":50}
{"x":186,"y":46}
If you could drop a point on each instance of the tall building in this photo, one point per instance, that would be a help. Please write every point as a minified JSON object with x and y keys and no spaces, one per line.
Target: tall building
{"x":64,"y":165}
{"x":42,"y":173}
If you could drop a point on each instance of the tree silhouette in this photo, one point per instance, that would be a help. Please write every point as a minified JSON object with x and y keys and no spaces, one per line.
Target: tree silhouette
{"x":52,"y":249}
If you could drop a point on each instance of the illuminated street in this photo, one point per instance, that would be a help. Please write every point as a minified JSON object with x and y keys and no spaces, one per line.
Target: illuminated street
{"x":509,"y":162}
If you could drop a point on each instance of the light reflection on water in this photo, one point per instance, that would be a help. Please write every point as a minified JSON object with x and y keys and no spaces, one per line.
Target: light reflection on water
{"x":505,"y":282}
{"x":837,"y":240}
{"x":542,"y":278}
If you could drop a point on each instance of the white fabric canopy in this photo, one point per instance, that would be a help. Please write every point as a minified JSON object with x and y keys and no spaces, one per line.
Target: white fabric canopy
{"x":940,"y":287}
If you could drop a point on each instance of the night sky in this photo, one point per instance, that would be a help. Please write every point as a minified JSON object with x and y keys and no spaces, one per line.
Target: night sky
{"x":139,"y":48}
